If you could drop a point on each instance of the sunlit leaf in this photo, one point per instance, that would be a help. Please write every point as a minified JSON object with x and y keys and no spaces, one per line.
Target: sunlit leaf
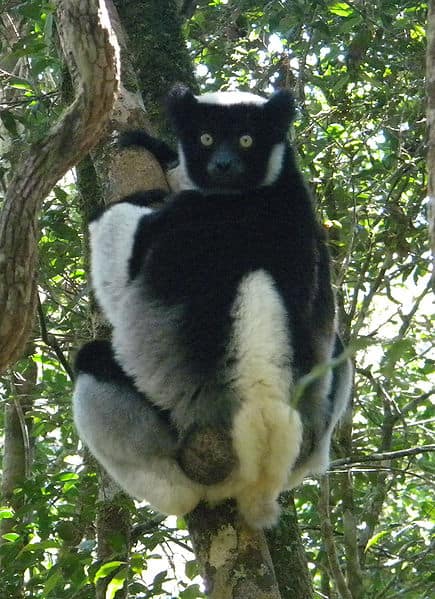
{"x":341,"y":9}
{"x":375,"y":539}
{"x":107,"y":569}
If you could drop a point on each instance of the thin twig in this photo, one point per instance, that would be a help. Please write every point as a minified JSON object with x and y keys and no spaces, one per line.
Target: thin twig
{"x":51,"y":341}
{"x":328,"y":538}
{"x":386,"y":455}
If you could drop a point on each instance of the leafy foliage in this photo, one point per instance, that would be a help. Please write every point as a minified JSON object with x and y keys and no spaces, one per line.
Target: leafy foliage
{"x":357,"y":71}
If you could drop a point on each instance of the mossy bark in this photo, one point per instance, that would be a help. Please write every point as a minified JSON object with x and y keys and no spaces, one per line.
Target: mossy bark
{"x":288,"y":553}
{"x":430,"y":90}
{"x":234,"y":559}
{"x":159,"y":53}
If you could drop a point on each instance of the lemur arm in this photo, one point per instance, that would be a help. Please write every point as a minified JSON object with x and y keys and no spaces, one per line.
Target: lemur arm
{"x":165,"y":155}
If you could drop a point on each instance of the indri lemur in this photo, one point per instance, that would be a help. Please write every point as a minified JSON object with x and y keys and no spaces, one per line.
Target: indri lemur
{"x":220,"y":302}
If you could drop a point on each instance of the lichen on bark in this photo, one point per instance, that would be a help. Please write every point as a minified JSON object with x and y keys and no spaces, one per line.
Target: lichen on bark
{"x":235,"y":559}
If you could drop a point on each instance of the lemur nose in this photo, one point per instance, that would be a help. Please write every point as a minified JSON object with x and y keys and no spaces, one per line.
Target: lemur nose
{"x":223,"y":165}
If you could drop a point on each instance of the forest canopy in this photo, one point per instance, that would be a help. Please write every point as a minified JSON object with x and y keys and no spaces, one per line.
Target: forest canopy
{"x":357,"y":70}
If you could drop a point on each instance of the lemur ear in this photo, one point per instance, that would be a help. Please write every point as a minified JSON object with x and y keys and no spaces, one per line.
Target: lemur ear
{"x":280,"y":108}
{"x":180,"y":104}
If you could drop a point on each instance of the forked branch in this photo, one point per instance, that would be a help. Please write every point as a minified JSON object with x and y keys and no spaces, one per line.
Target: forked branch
{"x":88,"y":40}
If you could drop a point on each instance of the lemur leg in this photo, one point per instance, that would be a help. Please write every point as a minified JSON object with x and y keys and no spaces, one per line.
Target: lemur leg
{"x":127,"y":434}
{"x":267,"y":438}
{"x":266,"y":431}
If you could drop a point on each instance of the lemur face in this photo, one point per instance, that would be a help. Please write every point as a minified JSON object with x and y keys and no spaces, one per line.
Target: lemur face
{"x":231,"y":141}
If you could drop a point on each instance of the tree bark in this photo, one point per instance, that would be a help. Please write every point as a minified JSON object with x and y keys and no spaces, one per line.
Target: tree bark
{"x":234,"y":559}
{"x":288,"y":553}
{"x":105,"y":177}
{"x":328,"y":538}
{"x":87,"y":39}
{"x":17,"y":455}
{"x":430,"y":86}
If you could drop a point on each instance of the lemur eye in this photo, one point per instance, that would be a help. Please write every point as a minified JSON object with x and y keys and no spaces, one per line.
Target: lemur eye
{"x":206,"y":139}
{"x":246,"y":141}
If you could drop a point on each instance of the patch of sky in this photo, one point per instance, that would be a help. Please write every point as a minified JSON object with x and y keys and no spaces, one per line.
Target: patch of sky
{"x":275,"y":44}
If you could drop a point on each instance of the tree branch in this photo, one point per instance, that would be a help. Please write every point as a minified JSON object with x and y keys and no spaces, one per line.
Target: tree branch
{"x":51,"y":341}
{"x":234,"y":559}
{"x":328,"y":538}
{"x":430,"y":88}
{"x":378,"y":457}
{"x":86,"y":36}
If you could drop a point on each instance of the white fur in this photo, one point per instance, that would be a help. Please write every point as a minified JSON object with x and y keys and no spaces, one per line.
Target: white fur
{"x":178,"y":178}
{"x":230,"y":98}
{"x":111,"y":240}
{"x":267,"y":432}
{"x":274,"y":165}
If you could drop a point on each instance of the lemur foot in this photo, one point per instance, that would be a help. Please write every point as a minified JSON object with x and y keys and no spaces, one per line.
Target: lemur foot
{"x":206,"y":455}
{"x":259,"y":512}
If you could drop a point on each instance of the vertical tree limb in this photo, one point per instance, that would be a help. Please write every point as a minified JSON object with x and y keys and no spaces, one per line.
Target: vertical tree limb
{"x":288,"y":553}
{"x":87,"y":38}
{"x":234,"y":559}
{"x":430,"y":87}
{"x":16,"y":460}
{"x":350,"y":531}
{"x":328,"y":538}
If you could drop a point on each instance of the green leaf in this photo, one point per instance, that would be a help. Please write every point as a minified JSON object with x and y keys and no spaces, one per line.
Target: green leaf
{"x":106,"y":569}
{"x":399,"y":349}
{"x":191,"y":569}
{"x":116,"y":583}
{"x":53,"y":581}
{"x":374,"y":539}
{"x":68,"y":476}
{"x":191,"y":592}
{"x":5,"y":513}
{"x":342,"y":9}
{"x":11,"y":536}
{"x":9,"y":122}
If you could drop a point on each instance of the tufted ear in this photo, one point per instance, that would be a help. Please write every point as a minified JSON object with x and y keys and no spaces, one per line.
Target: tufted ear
{"x":280,"y":109}
{"x":180,"y":105}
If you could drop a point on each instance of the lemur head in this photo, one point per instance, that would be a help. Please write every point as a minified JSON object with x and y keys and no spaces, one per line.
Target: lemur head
{"x":230,"y":140}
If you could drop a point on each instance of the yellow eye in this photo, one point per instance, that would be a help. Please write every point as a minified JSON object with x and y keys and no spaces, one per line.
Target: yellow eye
{"x":206,"y":139}
{"x":246,"y":141}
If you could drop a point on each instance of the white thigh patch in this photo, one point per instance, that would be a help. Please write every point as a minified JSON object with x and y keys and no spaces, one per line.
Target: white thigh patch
{"x":267,"y":432}
{"x":261,"y":339}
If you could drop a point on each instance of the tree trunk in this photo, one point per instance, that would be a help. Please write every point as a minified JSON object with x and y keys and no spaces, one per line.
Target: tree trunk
{"x":89,"y":44}
{"x":288,"y":553}
{"x":17,"y":454}
{"x":234,"y":560}
{"x":430,"y":83}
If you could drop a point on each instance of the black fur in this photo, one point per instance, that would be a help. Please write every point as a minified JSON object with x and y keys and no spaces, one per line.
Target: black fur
{"x":267,"y":125}
{"x":97,"y":358}
{"x":248,"y":210}
{"x":164,"y":154}
{"x":202,"y":245}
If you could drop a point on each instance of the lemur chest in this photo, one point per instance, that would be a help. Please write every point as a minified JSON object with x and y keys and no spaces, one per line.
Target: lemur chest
{"x":206,"y":260}
{"x":226,"y":276}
